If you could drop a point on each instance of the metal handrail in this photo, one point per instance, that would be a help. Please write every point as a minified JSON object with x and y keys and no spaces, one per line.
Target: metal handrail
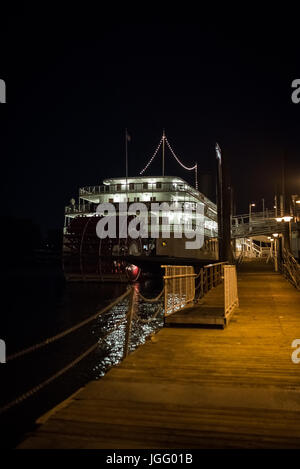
{"x":270,"y":213}
{"x":291,"y":268}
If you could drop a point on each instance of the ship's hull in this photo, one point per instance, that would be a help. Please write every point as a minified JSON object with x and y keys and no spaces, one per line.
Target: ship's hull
{"x":86,"y":257}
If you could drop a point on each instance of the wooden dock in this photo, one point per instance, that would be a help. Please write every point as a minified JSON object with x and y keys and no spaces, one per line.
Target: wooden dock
{"x":197,"y":388}
{"x":209,"y":311}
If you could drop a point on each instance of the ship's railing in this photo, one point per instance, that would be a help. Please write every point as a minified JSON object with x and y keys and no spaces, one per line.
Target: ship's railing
{"x":135,"y":187}
{"x":132,"y":188}
{"x":79,"y":208}
{"x":90,"y":207}
{"x":209,"y":211}
{"x":162,"y":229}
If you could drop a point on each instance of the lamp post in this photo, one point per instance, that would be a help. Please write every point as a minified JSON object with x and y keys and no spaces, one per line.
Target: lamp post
{"x":250,"y":210}
{"x":296,"y":207}
{"x":275,"y":236}
{"x":219,"y":193}
{"x":250,"y":213}
{"x":287,"y":220}
{"x":224,"y":208}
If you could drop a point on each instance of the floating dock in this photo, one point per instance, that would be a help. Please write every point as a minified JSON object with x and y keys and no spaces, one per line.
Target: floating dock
{"x":208,"y":311}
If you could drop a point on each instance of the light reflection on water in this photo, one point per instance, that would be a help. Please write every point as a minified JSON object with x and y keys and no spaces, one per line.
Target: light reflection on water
{"x":111,"y":348}
{"x":44,"y":306}
{"x":175,"y":302}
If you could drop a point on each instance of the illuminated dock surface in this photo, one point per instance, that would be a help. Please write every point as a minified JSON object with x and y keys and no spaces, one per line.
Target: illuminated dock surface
{"x":197,"y":388}
{"x":208,"y":311}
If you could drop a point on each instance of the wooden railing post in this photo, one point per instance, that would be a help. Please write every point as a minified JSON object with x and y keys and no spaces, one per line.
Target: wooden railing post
{"x":202,"y":286}
{"x":129,"y":324}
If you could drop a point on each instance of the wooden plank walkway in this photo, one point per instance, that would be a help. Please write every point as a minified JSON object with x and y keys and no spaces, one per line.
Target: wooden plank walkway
{"x":197,"y":388}
{"x":208,"y":311}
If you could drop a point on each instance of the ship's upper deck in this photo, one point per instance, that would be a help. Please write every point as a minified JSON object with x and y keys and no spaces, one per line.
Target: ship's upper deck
{"x":145,"y":189}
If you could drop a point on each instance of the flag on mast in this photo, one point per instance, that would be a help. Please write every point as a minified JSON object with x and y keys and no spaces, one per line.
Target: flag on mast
{"x":127,"y":139}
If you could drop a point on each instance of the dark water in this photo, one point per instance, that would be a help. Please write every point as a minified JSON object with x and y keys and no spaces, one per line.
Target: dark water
{"x":38,"y":304}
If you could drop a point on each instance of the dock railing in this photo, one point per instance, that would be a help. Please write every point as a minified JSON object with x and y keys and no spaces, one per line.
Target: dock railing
{"x":290,"y":268}
{"x":231,"y":299}
{"x":179,"y":285}
{"x":212,"y":276}
{"x":179,"y":290}
{"x":183,"y":286}
{"x":132,"y":318}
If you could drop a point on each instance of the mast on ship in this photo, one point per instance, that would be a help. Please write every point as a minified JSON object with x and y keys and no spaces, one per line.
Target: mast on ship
{"x":162,"y":143}
{"x":127,"y":139}
{"x":163,"y":153}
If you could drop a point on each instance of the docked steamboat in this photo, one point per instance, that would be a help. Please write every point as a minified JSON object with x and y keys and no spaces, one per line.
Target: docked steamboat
{"x":87,"y":257}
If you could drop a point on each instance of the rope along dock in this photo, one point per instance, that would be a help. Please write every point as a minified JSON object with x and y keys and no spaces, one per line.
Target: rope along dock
{"x":198,"y":388}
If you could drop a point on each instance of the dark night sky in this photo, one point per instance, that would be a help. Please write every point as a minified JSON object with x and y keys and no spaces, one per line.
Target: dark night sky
{"x":72,"y":88}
